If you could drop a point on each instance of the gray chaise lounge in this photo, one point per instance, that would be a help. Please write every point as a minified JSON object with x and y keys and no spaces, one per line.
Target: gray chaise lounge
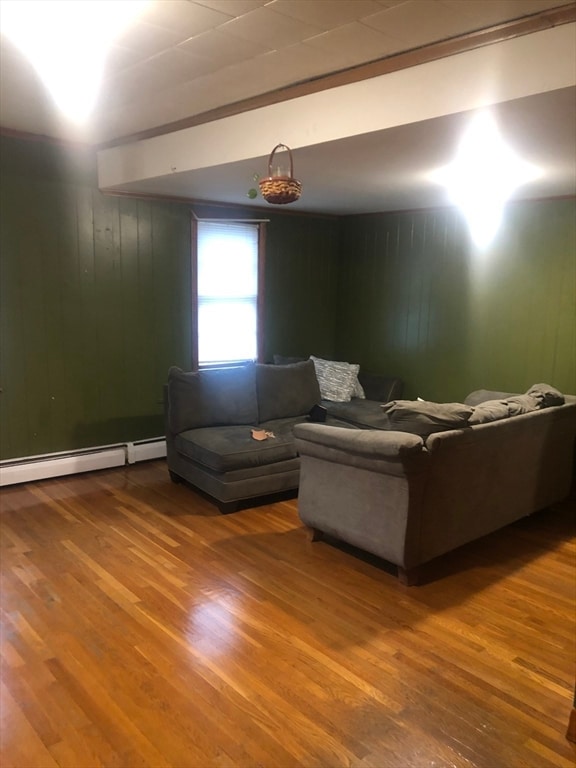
{"x":209,"y":416}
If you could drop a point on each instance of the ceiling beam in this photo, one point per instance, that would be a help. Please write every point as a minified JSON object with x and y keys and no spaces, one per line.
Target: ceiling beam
{"x":489,"y":36}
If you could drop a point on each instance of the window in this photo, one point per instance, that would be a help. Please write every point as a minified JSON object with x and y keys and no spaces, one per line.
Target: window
{"x":228,"y":285}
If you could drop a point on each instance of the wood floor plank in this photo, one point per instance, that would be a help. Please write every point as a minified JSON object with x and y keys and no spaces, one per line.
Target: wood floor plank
{"x":21,"y":743}
{"x":142,"y":629}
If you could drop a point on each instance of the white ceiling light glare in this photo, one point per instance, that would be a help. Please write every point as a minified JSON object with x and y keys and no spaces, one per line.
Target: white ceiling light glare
{"x":67,"y":42}
{"x":483,"y":177}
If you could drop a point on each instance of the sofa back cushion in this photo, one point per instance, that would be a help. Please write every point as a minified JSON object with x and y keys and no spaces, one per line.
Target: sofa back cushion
{"x":381,"y":388}
{"x":286,"y":390}
{"x":286,"y":360}
{"x":211,"y":398}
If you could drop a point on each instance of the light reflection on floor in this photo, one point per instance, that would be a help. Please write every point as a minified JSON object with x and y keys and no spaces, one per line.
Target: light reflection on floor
{"x":213,"y":626}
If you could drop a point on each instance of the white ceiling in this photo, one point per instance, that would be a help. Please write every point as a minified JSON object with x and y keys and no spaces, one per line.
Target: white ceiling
{"x":184,"y":58}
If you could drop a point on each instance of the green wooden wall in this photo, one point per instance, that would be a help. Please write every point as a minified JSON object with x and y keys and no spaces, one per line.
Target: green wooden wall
{"x":301,"y":286}
{"x":94,"y":304}
{"x":95,"y":300}
{"x":416,"y":300}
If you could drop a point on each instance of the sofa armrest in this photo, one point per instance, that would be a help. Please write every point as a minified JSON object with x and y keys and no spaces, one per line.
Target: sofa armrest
{"x":368,"y":448}
{"x":364,"y":487}
{"x":381,"y":388}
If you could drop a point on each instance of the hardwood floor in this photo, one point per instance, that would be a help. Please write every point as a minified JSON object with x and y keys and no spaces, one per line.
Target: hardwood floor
{"x":142,"y":628}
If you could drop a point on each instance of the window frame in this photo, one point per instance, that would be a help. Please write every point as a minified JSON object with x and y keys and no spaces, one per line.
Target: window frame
{"x":260,"y":305}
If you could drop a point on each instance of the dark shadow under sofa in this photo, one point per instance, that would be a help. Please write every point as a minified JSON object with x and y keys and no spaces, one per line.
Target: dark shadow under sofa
{"x":210,"y":414}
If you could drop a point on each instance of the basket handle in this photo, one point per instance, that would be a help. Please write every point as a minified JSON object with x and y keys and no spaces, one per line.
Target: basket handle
{"x":271,"y":158}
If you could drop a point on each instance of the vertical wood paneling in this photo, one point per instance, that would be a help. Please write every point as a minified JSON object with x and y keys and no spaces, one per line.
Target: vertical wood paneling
{"x":96,"y":301}
{"x":95,"y":305}
{"x":526,"y":294}
{"x":416,"y":300}
{"x":14,"y":350}
{"x":60,"y":281}
{"x":301,"y":286}
{"x":301,"y":279}
{"x":90,"y":307}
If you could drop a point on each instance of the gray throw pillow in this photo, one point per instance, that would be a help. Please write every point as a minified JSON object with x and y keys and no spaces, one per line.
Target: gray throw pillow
{"x":422,"y":417}
{"x":519,"y":404}
{"x":494,"y":410}
{"x":547,"y":394}
{"x":358,"y":390}
{"x":286,"y":390}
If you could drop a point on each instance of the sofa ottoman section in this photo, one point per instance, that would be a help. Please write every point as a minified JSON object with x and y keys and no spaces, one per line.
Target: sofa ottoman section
{"x":223,"y":449}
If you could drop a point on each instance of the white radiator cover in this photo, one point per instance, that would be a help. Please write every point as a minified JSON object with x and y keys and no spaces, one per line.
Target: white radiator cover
{"x":145,"y":450}
{"x":87,"y":460}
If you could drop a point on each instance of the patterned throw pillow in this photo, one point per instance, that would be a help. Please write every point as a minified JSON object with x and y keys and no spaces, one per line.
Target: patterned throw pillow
{"x":337,"y":380}
{"x":359,"y":390}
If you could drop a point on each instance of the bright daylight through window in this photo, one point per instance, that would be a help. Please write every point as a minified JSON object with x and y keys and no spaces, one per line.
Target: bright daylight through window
{"x":227,"y":275}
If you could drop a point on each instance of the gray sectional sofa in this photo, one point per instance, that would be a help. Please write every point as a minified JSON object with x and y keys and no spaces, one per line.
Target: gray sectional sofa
{"x":440,"y":476}
{"x":210,"y":414}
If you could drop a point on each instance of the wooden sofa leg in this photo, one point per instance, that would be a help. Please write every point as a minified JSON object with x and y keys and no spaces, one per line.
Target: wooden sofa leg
{"x":410,"y":577}
{"x":174,"y":477}
{"x":313,"y":534}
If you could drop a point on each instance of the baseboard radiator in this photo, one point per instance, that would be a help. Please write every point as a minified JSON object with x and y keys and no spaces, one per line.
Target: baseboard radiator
{"x":72,"y":462}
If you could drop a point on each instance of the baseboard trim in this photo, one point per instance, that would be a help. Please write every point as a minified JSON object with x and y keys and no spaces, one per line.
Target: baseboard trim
{"x":33,"y":468}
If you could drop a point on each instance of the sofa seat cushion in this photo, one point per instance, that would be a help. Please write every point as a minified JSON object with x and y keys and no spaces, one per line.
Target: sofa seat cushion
{"x":224,"y":449}
{"x":364,"y":414}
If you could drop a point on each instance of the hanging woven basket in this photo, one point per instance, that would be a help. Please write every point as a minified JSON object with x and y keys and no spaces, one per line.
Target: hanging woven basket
{"x":280,"y":190}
